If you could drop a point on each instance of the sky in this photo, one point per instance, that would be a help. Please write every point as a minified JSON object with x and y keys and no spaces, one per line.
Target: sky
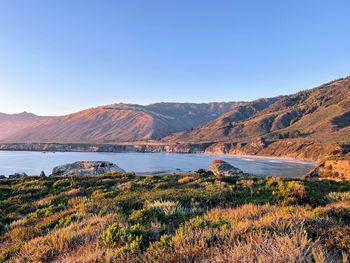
{"x":62,"y":56}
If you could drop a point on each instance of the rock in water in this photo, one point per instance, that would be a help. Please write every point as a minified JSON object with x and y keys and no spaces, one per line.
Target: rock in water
{"x":86,"y":168}
{"x":221,"y":168}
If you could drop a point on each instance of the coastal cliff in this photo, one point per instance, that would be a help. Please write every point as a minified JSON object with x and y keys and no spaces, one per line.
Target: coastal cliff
{"x":291,"y":149}
{"x":79,"y":147}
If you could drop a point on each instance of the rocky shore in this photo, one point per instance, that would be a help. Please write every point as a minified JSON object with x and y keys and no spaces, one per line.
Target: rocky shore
{"x":291,"y":149}
{"x":75,"y":147}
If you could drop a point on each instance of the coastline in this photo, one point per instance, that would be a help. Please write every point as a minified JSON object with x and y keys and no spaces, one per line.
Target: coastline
{"x":283,"y":158}
{"x":152,"y":147}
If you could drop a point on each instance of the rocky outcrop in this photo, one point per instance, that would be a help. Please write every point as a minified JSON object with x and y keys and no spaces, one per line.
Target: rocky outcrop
{"x":17,"y":175}
{"x":335,"y":169}
{"x":221,"y":168}
{"x":86,"y":168}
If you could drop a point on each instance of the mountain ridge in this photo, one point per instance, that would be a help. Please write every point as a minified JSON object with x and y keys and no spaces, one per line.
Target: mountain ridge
{"x":118,"y":122}
{"x":320,"y":114}
{"x":311,"y":124}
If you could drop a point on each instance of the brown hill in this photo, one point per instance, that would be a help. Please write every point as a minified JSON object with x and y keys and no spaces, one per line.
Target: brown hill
{"x":321,"y":114}
{"x":119,"y":122}
{"x":12,"y":123}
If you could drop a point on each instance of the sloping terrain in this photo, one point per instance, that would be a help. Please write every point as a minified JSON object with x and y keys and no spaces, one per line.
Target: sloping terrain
{"x":194,"y":217}
{"x":120,"y":122}
{"x":320,"y":114}
{"x":12,"y":123}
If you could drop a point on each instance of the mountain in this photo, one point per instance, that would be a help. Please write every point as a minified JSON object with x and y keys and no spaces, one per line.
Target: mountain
{"x":12,"y":123}
{"x":118,"y":123}
{"x":320,"y":114}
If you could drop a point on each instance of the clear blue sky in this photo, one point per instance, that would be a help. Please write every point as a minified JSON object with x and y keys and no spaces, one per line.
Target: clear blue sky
{"x":61,"y":56}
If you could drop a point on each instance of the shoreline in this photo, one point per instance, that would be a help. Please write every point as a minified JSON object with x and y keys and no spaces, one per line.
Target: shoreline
{"x":290,"y":159}
{"x":289,"y":150}
{"x":225,"y":155}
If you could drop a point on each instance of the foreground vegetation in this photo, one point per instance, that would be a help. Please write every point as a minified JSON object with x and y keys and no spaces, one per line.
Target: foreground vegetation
{"x":188,"y":218}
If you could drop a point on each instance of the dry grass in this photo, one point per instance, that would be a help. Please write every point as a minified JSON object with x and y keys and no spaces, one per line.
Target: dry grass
{"x":248,"y":234}
{"x":58,"y":244}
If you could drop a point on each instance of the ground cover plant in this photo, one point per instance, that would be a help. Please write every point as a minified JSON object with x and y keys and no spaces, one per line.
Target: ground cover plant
{"x":193,"y":217}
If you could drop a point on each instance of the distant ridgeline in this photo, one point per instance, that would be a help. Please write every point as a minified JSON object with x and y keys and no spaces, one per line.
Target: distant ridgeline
{"x":312,"y":124}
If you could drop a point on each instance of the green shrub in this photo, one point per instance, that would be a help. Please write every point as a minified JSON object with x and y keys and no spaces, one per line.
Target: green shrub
{"x":8,"y":253}
{"x":61,"y":183}
{"x":128,"y":239}
{"x":336,"y":196}
{"x":290,"y":192}
{"x":163,"y":243}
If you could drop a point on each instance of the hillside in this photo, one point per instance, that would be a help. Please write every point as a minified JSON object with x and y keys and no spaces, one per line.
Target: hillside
{"x":321,"y":114}
{"x":118,"y":122}
{"x":194,"y":217}
{"x":12,"y":123}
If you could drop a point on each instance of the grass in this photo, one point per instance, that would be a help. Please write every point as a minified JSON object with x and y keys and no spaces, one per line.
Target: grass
{"x":173,"y":218}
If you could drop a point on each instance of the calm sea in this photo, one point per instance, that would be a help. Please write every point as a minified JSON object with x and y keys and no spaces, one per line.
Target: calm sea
{"x":34,"y":162}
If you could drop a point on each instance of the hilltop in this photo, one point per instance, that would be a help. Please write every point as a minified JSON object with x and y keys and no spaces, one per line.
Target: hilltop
{"x":321,"y":114}
{"x":11,"y":123}
{"x":312,"y":124}
{"x":114,"y":123}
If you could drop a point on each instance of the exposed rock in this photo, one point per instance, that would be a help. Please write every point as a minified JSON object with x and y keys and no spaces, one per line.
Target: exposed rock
{"x":42,"y":174}
{"x":221,"y":168}
{"x":86,"y":168}
{"x":17,"y":175}
{"x":335,"y":169}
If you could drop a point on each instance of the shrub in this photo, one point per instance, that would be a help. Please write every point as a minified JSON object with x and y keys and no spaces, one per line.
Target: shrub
{"x":8,"y":253}
{"x":163,"y":243}
{"x":61,"y":183}
{"x":290,"y":192}
{"x":168,"y":208}
{"x":336,"y":196}
{"x":128,"y":239}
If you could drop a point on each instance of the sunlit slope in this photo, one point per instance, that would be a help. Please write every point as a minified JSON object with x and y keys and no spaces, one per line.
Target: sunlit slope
{"x":321,"y":114}
{"x":120,"y":122}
